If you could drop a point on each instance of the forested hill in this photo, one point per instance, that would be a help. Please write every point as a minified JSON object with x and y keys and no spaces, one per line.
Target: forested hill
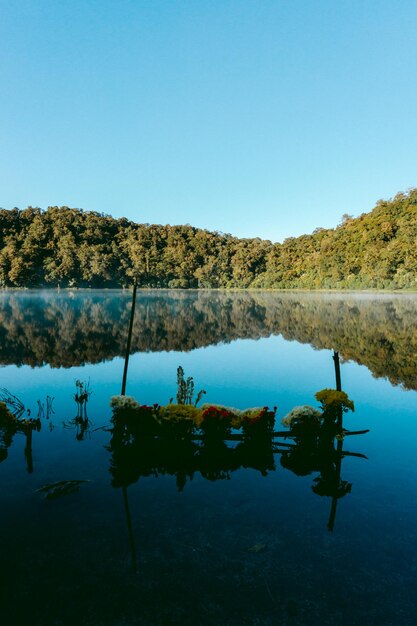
{"x":71,"y":247}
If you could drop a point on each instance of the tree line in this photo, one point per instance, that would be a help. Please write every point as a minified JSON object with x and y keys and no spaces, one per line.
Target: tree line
{"x":64,"y":247}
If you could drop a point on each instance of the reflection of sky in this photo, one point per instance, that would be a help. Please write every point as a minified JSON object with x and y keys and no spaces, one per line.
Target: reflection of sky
{"x":245,"y":373}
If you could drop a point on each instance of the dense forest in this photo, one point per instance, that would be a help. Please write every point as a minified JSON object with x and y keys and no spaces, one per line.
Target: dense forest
{"x":63,"y":247}
{"x":74,"y":328}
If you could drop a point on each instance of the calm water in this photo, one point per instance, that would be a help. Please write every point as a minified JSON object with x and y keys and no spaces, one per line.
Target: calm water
{"x":244,"y":549}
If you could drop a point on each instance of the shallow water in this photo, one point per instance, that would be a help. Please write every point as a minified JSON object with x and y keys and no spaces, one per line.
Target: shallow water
{"x":245,"y":549}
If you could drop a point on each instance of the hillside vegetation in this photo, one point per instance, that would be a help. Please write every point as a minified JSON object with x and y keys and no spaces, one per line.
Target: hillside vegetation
{"x":74,"y":248}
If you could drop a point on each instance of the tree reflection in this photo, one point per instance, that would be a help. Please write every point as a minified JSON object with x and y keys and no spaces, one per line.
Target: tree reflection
{"x":67,"y":329}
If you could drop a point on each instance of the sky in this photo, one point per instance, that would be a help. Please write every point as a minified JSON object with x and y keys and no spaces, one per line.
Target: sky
{"x":256,"y":118}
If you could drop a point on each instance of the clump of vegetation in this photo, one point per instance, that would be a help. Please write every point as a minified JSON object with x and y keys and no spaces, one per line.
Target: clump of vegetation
{"x":176,"y":420}
{"x":178,"y":412}
{"x":12,"y":423}
{"x":181,"y":420}
{"x":124,"y":402}
{"x":12,"y":402}
{"x":216,"y":422}
{"x":333,"y":400}
{"x":6,"y":416}
{"x":308,"y":421}
{"x":334,"y":403}
{"x":303,"y":420}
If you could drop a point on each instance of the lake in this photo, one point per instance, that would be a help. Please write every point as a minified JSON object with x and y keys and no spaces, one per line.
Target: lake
{"x":261,"y":541}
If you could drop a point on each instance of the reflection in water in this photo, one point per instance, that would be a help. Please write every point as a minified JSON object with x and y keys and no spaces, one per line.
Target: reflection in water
{"x":324,"y":455}
{"x":69,"y":329}
{"x":46,"y":411}
{"x":214,"y":457}
{"x":135,"y":455}
{"x":80,"y":422}
{"x":12,"y":423}
{"x":249,"y":550}
{"x":141,"y":446}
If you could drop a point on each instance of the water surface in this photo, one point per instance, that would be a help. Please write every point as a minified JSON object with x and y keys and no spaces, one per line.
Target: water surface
{"x":246,"y":548}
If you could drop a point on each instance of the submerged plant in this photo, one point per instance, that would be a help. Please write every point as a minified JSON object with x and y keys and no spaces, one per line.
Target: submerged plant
{"x":60,"y":488}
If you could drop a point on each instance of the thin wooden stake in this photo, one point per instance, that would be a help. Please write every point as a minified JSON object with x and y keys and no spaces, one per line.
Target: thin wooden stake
{"x":129,"y":338}
{"x":337,"y":370}
{"x":124,"y":488}
{"x":338,"y":386}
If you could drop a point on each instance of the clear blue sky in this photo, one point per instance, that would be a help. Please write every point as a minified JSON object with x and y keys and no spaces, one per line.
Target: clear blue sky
{"x":259,"y":118}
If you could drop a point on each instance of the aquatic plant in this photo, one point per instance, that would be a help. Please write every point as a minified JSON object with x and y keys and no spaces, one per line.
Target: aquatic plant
{"x":10,"y":421}
{"x":81,"y":396}
{"x":49,"y":408}
{"x":15,"y":405}
{"x":185,"y":389}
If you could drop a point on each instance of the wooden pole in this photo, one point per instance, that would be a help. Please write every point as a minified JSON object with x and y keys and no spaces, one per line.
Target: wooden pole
{"x":129,"y":338}
{"x":124,"y":488}
{"x":338,"y":387}
{"x":337,"y":370}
